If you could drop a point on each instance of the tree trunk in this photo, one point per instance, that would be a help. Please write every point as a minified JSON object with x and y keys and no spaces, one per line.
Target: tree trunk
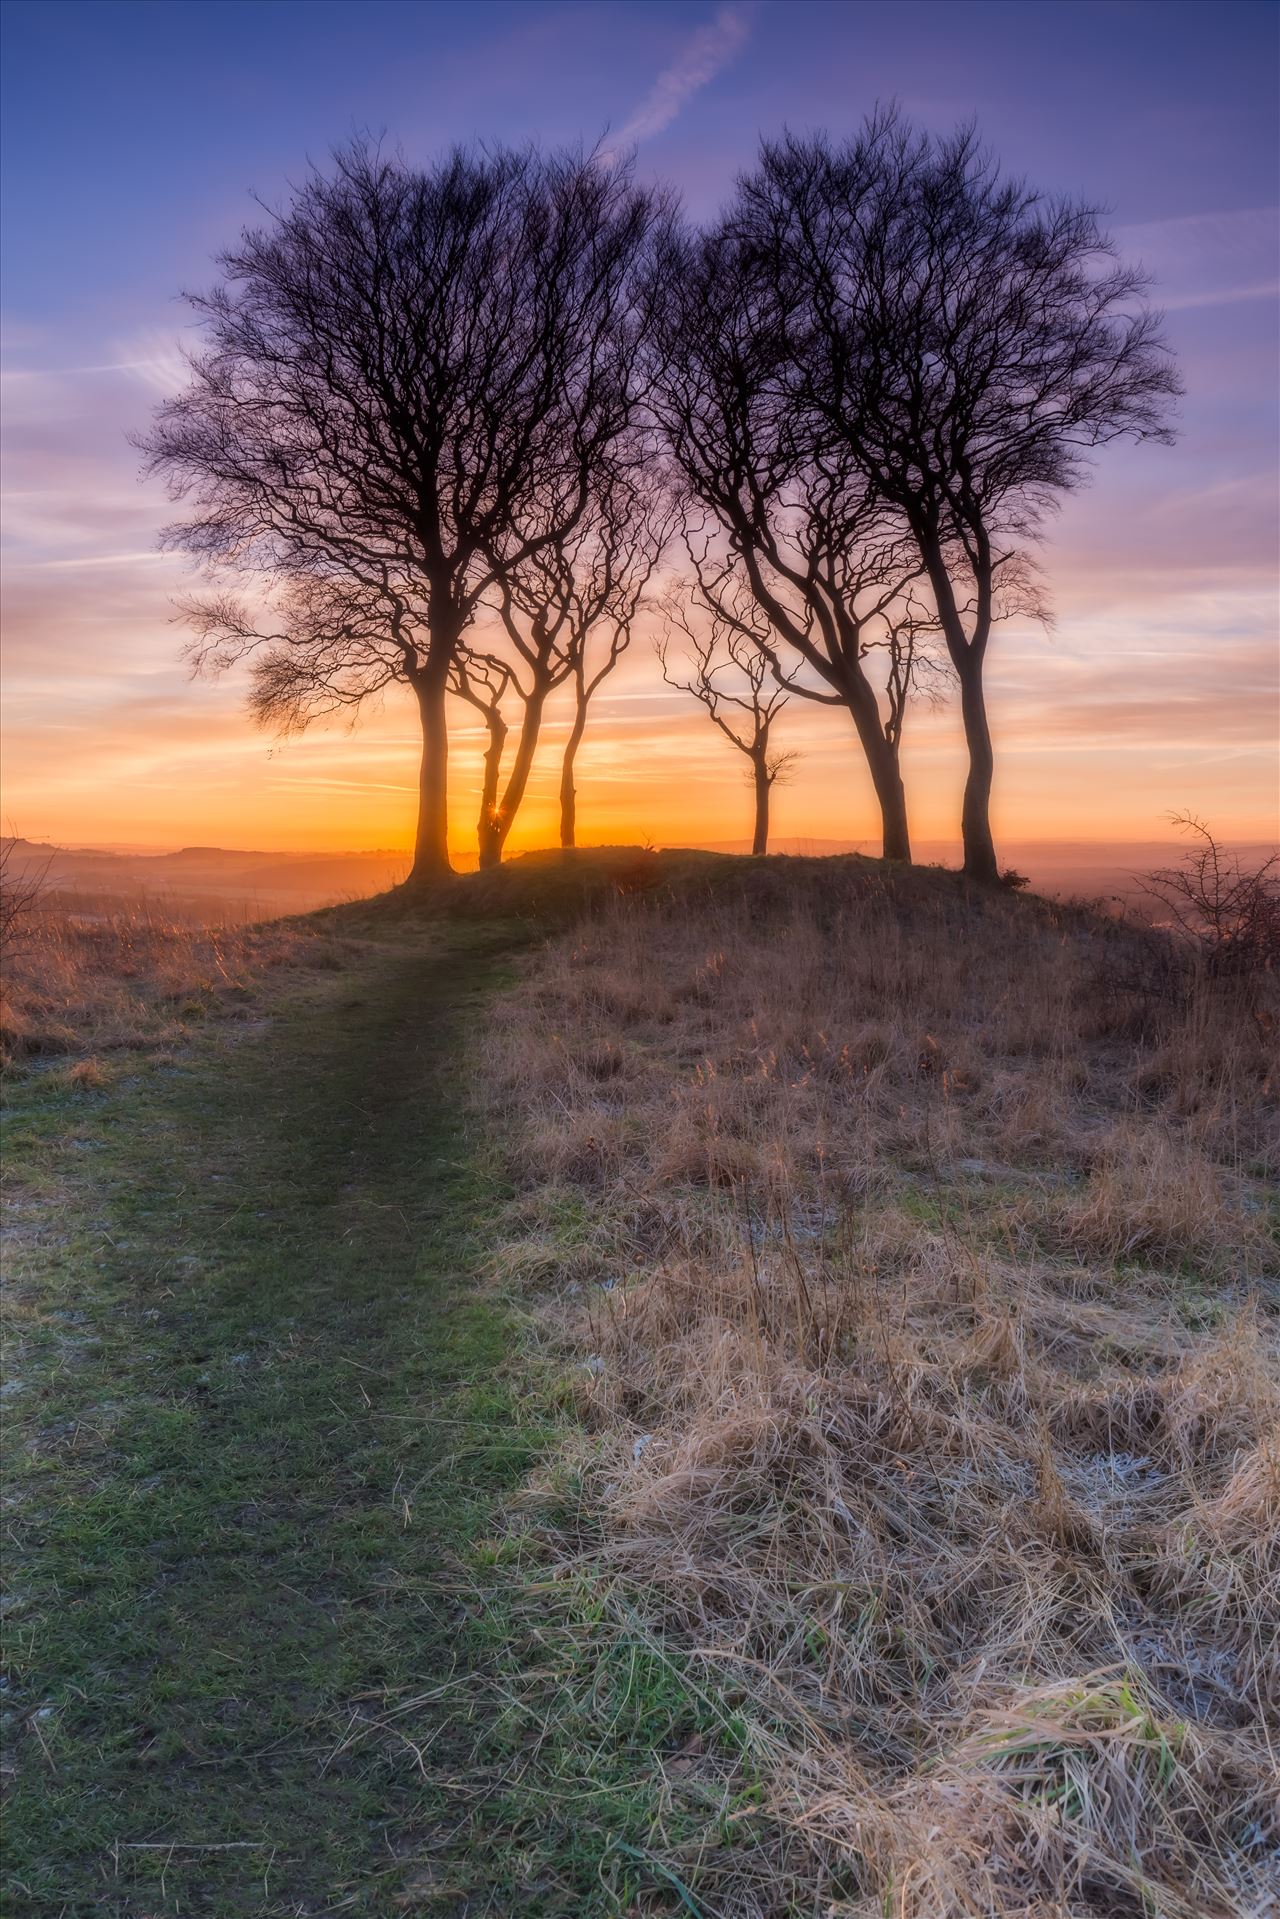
{"x":968,"y":656}
{"x":431,"y":844}
{"x":568,"y":792}
{"x":975,"y":820}
{"x":892,"y":795}
{"x":762,"y":784}
{"x":882,"y":760}
{"x":501,"y":818}
{"x":489,"y":788}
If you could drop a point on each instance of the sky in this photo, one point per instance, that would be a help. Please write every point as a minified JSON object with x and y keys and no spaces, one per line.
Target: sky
{"x":135,"y":137}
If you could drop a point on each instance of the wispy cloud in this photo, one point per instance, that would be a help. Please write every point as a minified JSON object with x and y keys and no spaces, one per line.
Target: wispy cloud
{"x":154,"y":357}
{"x":146,"y":558}
{"x":1209,"y":259}
{"x":350,"y":786}
{"x":705,"y":54}
{"x":1226,"y":296}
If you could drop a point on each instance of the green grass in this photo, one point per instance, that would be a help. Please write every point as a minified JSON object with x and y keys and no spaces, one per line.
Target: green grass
{"x":583,"y":1795}
{"x":273,"y":1645}
{"x":261,"y":1416}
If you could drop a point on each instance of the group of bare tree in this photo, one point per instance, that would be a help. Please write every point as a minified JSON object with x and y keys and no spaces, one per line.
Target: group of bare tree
{"x":418,"y":403}
{"x":454,"y":420}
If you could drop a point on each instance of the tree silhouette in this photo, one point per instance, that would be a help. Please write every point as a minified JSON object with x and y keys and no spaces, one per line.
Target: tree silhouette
{"x":409,"y":381}
{"x":733,"y":677}
{"x":772,"y":501}
{"x":966,"y":343}
{"x":607,"y":565}
{"x":590,"y":580}
{"x":482,"y":680}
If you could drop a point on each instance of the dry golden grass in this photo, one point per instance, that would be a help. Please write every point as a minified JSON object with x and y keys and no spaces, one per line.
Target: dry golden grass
{"x":94,"y":975}
{"x":919,"y":1262}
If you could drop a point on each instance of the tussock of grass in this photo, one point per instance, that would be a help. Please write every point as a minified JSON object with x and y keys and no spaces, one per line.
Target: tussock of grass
{"x":868,"y":1227}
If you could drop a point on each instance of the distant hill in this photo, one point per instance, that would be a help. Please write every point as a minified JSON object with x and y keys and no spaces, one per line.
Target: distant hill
{"x":1063,"y":869}
{"x":248,"y":884}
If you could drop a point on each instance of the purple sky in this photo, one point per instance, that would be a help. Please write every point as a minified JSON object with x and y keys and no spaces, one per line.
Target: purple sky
{"x":134,"y":135}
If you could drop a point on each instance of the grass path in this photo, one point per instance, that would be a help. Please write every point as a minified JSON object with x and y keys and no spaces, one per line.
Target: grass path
{"x":259,"y":1411}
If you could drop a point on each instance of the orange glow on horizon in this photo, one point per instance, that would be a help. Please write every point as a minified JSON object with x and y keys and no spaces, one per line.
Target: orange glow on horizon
{"x":1155,"y":692}
{"x":1157,"y":689}
{"x":651,"y":768}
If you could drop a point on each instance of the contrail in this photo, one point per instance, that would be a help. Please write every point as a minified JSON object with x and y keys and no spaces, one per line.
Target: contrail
{"x":703,"y":56}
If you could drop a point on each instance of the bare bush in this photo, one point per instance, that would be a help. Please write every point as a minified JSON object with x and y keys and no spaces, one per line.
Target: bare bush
{"x":1231,"y":911}
{"x":21,"y":889}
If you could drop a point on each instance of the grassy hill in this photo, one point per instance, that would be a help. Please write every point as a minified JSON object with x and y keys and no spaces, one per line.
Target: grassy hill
{"x":666,"y":1384}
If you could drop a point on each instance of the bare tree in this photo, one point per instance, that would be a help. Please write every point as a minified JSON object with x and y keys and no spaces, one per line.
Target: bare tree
{"x":609,"y":562}
{"x":884,"y":634}
{"x":409,"y":380}
{"x":589,"y":668}
{"x":966,"y":342}
{"x":1230,"y":910}
{"x":550,"y":608}
{"x":537,"y":633}
{"x":482,"y":680}
{"x":729,"y":675}
{"x":831,"y":568}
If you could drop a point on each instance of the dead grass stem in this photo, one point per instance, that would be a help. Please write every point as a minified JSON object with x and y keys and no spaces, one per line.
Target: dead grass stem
{"x":96,"y":976}
{"x":920,"y":1268}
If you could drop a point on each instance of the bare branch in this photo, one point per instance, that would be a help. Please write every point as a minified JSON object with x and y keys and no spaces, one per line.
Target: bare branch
{"x":409,"y":381}
{"x":965,"y":342}
{"x":1230,"y":911}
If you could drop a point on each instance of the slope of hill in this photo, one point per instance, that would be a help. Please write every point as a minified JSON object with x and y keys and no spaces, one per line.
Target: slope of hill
{"x":761,"y":1400}
{"x":1064,"y":869}
{"x":913,"y":1257}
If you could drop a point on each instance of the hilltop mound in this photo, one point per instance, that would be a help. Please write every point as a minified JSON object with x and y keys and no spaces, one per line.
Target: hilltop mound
{"x":547,"y":886}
